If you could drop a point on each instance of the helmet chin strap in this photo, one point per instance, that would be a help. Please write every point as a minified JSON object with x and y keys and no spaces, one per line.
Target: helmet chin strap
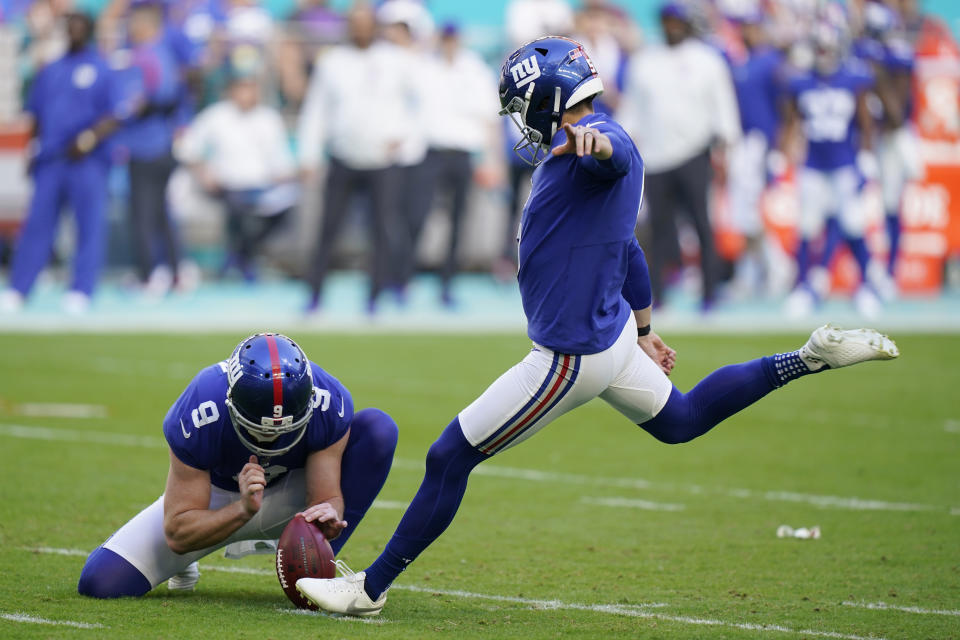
{"x":557,"y":116}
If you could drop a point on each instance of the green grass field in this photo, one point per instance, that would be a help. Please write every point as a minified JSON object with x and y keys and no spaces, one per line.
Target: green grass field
{"x":625,"y":536}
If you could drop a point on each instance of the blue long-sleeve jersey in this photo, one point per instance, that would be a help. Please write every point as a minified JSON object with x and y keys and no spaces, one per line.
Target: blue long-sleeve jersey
{"x":581,"y":269}
{"x":68,"y":96}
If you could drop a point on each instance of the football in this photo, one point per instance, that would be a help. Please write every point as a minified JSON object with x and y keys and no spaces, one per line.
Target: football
{"x":303,"y":552}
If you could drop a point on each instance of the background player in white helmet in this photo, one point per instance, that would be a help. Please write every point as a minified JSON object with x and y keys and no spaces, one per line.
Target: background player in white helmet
{"x":830,"y":101}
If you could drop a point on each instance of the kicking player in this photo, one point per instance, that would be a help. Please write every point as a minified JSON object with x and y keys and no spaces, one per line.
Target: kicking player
{"x":254,"y":440}
{"x":831,"y":102}
{"x":586,"y":292}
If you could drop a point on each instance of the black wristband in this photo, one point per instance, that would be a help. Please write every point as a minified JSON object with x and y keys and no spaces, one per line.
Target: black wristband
{"x":643,"y":331}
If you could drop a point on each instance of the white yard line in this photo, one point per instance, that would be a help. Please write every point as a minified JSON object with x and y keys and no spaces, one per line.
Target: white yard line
{"x":633,"y":504}
{"x":72,"y":435}
{"x":532,"y":475}
{"x":23,"y":617}
{"x":855,"y":504}
{"x":535,"y":475}
{"x":631,"y":610}
{"x":952,"y":426}
{"x":246,"y":570}
{"x":328,"y":616}
{"x":60,"y":410}
{"x":883,"y":606}
{"x":547,"y":605}
{"x":59,"y":552}
{"x":635,"y":611}
{"x":840,"y":502}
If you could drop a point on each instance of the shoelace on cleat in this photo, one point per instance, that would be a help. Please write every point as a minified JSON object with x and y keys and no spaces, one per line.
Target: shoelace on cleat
{"x":344,"y":570}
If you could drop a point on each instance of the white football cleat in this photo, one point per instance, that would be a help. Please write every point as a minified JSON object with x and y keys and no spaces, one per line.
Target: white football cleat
{"x":881,"y":281}
{"x":834,"y":347}
{"x":11,"y":301}
{"x":344,"y":595}
{"x":186,"y":580}
{"x":800,"y":303}
{"x":75,"y":303}
{"x":867,"y":302}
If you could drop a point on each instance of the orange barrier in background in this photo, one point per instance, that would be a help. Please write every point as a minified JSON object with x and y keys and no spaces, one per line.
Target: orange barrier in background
{"x":930,"y":208}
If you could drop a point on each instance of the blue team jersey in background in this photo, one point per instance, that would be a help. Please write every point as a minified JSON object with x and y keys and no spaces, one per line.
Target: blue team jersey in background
{"x":199,"y":432}
{"x":68,"y":96}
{"x":757,"y":82}
{"x":150,"y":76}
{"x":575,"y":234}
{"x":828,"y":108}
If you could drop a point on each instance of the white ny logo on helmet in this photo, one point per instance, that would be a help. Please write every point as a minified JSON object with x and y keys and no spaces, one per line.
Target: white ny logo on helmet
{"x":525,"y":71}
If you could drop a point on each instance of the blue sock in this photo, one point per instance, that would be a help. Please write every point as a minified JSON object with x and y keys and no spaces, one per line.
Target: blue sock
{"x":893,"y":235}
{"x":859,"y":249}
{"x":803,"y":260}
{"x":107,"y":575}
{"x":449,"y":463}
{"x":788,"y":366}
{"x":364,"y":467}
{"x":832,"y":240}
{"x":722,"y":394}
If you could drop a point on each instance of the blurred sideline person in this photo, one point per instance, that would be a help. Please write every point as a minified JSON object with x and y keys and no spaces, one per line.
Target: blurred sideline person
{"x":594,"y":28}
{"x":830,"y":100}
{"x":756,"y":73}
{"x":350,"y":113}
{"x":408,"y":26}
{"x":253,"y":441}
{"x":152,"y":79}
{"x":884,"y":46}
{"x":74,"y":110}
{"x":460,"y":112}
{"x":45,"y":38}
{"x":239,"y":152}
{"x":519,"y":173}
{"x":529,"y":19}
{"x":586,"y":293}
{"x":678,"y":104}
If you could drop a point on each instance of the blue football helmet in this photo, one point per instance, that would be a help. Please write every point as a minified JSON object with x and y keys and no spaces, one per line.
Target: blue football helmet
{"x":538,"y":82}
{"x":270,"y":396}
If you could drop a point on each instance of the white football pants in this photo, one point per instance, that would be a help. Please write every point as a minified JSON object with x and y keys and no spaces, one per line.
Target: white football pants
{"x":141,"y":541}
{"x":827,"y":193}
{"x":545,"y":385}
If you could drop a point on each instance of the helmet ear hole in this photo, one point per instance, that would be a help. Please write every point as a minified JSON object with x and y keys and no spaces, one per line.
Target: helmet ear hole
{"x":544,"y":104}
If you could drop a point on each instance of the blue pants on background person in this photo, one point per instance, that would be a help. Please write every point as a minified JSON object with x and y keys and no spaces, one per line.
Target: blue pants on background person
{"x":82,"y":184}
